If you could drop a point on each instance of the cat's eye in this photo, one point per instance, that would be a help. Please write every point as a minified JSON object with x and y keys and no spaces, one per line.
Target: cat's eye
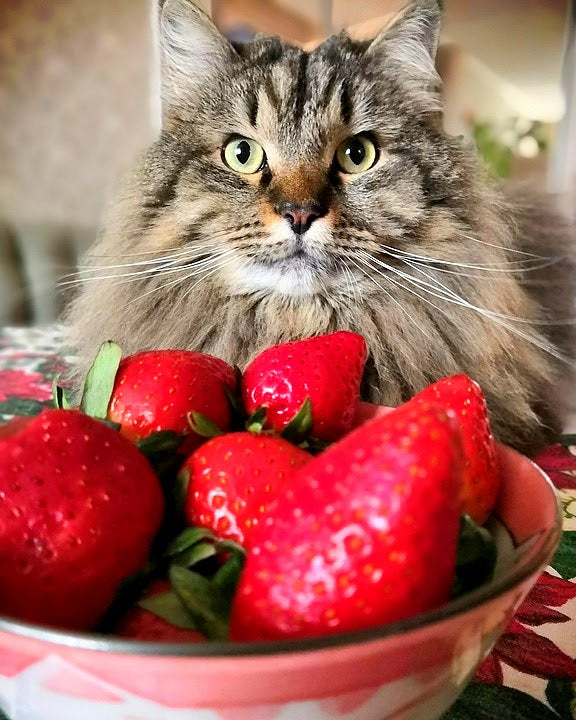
{"x":244,"y":155}
{"x":356,"y":154}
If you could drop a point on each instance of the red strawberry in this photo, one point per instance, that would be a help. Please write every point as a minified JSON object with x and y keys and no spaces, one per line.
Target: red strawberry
{"x":233,"y":478}
{"x":480,"y":474}
{"x":327,"y":369}
{"x":157,"y":389}
{"x":365,"y":534}
{"x":140,"y":623}
{"x":79,"y":508}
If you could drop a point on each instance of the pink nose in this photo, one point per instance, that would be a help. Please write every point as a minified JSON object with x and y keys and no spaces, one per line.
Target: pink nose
{"x":300,"y":217}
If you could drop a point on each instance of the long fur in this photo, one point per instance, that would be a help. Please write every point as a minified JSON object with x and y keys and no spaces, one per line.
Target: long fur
{"x":437,"y":269}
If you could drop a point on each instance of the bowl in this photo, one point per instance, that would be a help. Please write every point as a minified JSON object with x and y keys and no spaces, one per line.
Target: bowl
{"x":407,"y":670}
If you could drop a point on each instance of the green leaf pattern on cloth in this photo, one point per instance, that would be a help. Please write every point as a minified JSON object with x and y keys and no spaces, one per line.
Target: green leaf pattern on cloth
{"x":565,"y":560}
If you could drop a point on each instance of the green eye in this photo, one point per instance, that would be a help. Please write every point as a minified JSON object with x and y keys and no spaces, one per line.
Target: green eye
{"x":244,"y":156}
{"x":357,"y":154}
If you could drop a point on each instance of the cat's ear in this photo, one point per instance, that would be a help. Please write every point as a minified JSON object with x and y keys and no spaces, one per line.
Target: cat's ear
{"x":192,"y":50}
{"x":409,"y":45}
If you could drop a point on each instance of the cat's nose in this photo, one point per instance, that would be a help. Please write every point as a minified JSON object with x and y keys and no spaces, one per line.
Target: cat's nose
{"x":299,"y":216}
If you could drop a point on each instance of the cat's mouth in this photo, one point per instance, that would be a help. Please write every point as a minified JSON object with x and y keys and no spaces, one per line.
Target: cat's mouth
{"x":293,"y":265}
{"x":297,"y":255}
{"x":298,"y":259}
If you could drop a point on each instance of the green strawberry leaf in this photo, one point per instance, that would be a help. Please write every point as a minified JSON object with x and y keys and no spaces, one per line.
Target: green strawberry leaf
{"x":179,"y":490}
{"x":195,"y":554}
{"x":200,"y":598}
{"x":99,"y":382}
{"x":568,"y":440}
{"x":169,"y":607}
{"x":158,"y":443}
{"x":229,"y":547}
{"x":476,"y":558}
{"x":61,"y":401}
{"x":257,"y":421}
{"x":187,"y":539}
{"x":228,"y":575}
{"x":203,"y":426}
{"x":299,"y":427}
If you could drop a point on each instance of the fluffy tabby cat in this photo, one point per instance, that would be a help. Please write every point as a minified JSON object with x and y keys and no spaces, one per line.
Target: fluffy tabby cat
{"x":292,"y":193}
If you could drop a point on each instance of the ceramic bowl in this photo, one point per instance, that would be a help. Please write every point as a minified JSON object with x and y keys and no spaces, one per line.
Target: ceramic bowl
{"x":403,"y":671}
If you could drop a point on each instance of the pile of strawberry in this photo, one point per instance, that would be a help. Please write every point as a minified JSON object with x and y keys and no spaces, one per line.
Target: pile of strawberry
{"x":185,"y":500}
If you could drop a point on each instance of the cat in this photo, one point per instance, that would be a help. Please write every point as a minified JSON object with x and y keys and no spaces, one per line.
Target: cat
{"x":292,"y":193}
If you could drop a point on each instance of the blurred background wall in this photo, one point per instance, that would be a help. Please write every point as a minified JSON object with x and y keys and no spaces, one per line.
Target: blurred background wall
{"x":78,"y":101}
{"x":75,"y":107}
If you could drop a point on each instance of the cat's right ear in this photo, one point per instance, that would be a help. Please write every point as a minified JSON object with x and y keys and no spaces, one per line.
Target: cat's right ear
{"x":192,"y":50}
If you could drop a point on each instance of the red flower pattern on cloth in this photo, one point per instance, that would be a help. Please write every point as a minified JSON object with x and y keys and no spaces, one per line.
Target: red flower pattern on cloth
{"x":22,"y":384}
{"x":560,"y":465}
{"x":520,"y":647}
{"x":523,"y":648}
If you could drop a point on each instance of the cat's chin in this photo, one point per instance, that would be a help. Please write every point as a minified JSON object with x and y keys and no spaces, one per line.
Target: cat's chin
{"x":291,"y":277}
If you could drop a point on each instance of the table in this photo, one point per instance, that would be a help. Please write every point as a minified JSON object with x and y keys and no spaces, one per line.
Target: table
{"x":531,"y":672}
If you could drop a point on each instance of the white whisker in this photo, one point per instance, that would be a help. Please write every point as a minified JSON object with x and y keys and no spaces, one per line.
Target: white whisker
{"x":485,"y":274}
{"x":513,"y":318}
{"x":196,"y":268}
{"x":155,"y":261}
{"x":503,"y":266}
{"x":172,"y":283}
{"x":451,"y":297}
{"x":163,"y":268}
{"x":388,"y":293}
{"x":208,"y":274}
{"x":500,"y":247}
{"x":351,"y":281}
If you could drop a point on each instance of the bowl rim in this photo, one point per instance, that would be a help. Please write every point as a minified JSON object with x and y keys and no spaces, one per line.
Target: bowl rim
{"x":220,"y":649}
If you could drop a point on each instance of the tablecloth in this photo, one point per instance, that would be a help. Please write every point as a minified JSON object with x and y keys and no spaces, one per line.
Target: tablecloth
{"x":531,"y":673}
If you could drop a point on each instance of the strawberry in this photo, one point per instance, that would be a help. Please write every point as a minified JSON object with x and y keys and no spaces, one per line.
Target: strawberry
{"x":159,"y":617}
{"x":480,"y":474}
{"x":326,"y":369}
{"x":79,"y":508}
{"x":365,"y":534}
{"x":158,"y":389}
{"x":233,"y":479}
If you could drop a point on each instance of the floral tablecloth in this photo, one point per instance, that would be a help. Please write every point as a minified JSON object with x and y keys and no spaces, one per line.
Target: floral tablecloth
{"x":531,"y":674}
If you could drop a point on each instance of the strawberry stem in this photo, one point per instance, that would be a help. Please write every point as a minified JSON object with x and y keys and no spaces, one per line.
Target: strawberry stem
{"x":257,"y":421}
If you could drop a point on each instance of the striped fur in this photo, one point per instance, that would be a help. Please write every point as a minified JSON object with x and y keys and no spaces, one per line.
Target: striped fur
{"x":434,"y":267}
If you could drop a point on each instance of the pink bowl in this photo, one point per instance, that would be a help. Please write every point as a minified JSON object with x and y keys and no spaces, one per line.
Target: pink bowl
{"x":403,"y":671}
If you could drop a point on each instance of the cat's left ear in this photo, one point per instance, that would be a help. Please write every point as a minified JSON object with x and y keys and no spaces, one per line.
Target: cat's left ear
{"x":409,"y":45}
{"x":193,"y":51}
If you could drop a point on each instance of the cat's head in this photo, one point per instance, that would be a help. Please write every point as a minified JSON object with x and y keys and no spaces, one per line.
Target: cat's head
{"x":288,"y":166}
